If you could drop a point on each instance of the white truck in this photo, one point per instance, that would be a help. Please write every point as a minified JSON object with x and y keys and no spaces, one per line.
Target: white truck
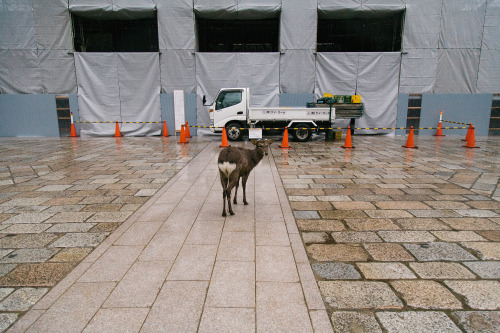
{"x":231,"y":109}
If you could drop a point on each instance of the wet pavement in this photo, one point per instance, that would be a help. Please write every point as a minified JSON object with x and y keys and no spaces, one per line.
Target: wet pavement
{"x":398,"y":239}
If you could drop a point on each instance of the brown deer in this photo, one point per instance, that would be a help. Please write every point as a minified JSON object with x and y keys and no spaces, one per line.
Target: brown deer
{"x":235,"y":163}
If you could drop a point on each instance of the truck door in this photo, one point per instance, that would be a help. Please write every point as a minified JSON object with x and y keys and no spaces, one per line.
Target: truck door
{"x":229,"y":106}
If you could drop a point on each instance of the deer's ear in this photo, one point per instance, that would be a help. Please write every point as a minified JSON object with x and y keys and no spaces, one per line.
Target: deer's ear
{"x":254,"y":141}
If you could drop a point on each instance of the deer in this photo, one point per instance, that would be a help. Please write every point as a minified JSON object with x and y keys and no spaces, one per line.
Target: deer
{"x":235,"y":163}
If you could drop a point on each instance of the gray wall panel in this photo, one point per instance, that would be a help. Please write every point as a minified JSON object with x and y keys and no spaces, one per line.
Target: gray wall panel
{"x":464,"y":108}
{"x":167,"y":111}
{"x":28,"y":115}
{"x":402,"y":113}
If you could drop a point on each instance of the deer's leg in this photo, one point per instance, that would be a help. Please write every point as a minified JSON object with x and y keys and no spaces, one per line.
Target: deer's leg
{"x":236,"y":192}
{"x":233,"y":180}
{"x":244,"y":183}
{"x":224,"y":182}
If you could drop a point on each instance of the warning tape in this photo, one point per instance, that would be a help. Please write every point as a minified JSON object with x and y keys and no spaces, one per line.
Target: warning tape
{"x":454,"y":122}
{"x":120,"y":122}
{"x":279,"y":128}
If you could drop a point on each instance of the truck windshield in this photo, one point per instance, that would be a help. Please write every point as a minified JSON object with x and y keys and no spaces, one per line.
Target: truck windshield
{"x":227,"y":99}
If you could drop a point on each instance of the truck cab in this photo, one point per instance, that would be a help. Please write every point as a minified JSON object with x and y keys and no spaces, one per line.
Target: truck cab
{"x":229,"y":109}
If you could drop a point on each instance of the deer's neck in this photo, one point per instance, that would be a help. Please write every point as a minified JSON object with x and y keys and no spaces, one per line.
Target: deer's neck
{"x":256,"y":156}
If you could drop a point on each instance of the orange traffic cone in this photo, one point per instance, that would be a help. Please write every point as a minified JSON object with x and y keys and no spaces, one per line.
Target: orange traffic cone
{"x":117,"y":131}
{"x":224,"y":142}
{"x":165,"y":130}
{"x":467,"y":136}
{"x":409,"y":142}
{"x":284,"y":143}
{"x":348,"y":142}
{"x":439,"y":130}
{"x":73,"y":129}
{"x":183,"y":135}
{"x":471,"y":143}
{"x":188,"y":135}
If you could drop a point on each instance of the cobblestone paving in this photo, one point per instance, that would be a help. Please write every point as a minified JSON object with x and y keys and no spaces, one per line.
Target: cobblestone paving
{"x":60,"y":198}
{"x":400,"y":240}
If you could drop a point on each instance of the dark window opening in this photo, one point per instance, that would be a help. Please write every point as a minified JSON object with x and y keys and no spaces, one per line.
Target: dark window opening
{"x":414,"y":109}
{"x":115,"y":35}
{"x":238,"y":35}
{"x":361,"y":34}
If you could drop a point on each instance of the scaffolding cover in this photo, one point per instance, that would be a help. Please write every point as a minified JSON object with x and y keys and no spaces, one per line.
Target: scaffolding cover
{"x":418,"y":71}
{"x":293,"y":80}
{"x":20,"y":72}
{"x":299,"y":19}
{"x":176,"y":25}
{"x":258,"y":71}
{"x":351,"y":8}
{"x":457,"y":71}
{"x":118,"y":87}
{"x":113,"y":9}
{"x":422,"y":24}
{"x":489,"y":72}
{"x":462,"y":24}
{"x":17,"y":27}
{"x":492,"y":26}
{"x":57,"y":72}
{"x":52,"y":25}
{"x":237,"y":9}
{"x":178,"y":71}
{"x":374,"y":76}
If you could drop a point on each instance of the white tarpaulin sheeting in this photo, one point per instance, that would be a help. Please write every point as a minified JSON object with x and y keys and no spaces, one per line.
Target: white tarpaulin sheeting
{"x":176,"y":25}
{"x":492,"y":26}
{"x":374,"y":76}
{"x":462,"y":24}
{"x":178,"y":70}
{"x":118,"y":87}
{"x":489,"y":72}
{"x":299,"y":19}
{"x":457,"y":71}
{"x":234,"y":9}
{"x":17,"y":26}
{"x":418,"y":71}
{"x":20,"y":72}
{"x":422,"y":24}
{"x":258,"y":71}
{"x":297,"y":71}
{"x":113,"y":9}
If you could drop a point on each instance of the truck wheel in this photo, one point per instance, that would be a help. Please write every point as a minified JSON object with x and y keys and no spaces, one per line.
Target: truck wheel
{"x":302,"y":133}
{"x":234,"y":131}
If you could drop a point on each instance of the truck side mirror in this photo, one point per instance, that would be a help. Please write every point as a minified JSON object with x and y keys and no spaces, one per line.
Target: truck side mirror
{"x":204,"y":99}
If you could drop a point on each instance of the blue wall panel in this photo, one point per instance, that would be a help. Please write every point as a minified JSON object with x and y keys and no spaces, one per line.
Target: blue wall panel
{"x":167,"y":111}
{"x":464,"y":108}
{"x":28,"y":115}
